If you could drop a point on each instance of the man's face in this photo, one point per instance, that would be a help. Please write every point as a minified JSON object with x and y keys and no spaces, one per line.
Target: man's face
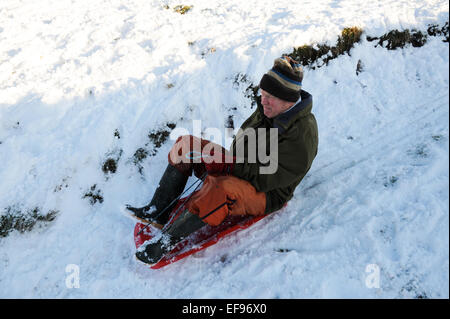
{"x":272,"y":105}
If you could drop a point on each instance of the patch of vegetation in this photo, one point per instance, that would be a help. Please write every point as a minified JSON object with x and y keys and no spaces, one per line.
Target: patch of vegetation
{"x":346,"y":41}
{"x":312,"y":55}
{"x":14,"y":219}
{"x":64,"y":184}
{"x":239,"y":79}
{"x":250,"y":90}
{"x":412,"y":290}
{"x":182,"y":9}
{"x":307,"y":55}
{"x":283,"y":250}
{"x":390,"y":181}
{"x":437,"y":137}
{"x":94,"y":195}
{"x":158,"y":137}
{"x":434,"y":30}
{"x":110,"y":164}
{"x":229,"y":123}
{"x":421,"y":151}
{"x":252,"y":93}
{"x":224,"y":259}
{"x":359,"y":67}
{"x":399,"y":39}
{"x":138,"y":157}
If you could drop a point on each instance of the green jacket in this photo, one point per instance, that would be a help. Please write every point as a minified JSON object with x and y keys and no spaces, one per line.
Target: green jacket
{"x":297,"y":148}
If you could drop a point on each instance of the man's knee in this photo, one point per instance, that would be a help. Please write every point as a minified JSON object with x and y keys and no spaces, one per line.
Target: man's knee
{"x":247,"y":201}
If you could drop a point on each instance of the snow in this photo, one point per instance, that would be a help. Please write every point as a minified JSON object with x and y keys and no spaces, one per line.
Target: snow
{"x":74,"y":72}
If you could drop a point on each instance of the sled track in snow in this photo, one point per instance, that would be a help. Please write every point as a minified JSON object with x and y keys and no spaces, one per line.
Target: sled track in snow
{"x":386,"y":141}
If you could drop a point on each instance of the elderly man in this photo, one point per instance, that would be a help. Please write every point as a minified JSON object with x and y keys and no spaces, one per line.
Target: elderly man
{"x":235,"y":182}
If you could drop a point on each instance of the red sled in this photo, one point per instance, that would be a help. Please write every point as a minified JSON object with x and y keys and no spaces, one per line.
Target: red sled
{"x":205,"y":237}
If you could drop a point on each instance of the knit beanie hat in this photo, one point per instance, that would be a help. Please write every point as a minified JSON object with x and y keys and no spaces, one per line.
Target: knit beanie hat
{"x":284,"y":80}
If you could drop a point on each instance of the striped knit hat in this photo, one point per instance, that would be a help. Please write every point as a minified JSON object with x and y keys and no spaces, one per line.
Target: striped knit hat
{"x":284,"y":80}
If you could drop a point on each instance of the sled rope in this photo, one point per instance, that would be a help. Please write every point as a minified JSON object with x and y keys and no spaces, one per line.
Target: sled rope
{"x":219,"y":207}
{"x":202,"y":178}
{"x":227,"y":202}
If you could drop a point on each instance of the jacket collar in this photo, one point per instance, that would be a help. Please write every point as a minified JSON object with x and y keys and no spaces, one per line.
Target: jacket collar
{"x":284,"y":120}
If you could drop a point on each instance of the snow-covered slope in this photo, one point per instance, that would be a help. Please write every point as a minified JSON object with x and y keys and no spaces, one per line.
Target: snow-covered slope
{"x":84,"y":81}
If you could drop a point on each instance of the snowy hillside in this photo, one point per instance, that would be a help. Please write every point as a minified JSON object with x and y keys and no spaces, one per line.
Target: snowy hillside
{"x":90,"y":90}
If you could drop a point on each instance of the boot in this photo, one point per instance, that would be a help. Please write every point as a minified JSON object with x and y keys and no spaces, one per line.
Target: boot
{"x":183,"y":226}
{"x":170,"y":186}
